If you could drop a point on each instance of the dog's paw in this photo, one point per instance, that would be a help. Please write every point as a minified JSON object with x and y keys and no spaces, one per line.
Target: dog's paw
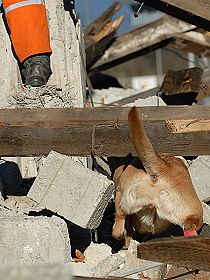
{"x":119,"y":231}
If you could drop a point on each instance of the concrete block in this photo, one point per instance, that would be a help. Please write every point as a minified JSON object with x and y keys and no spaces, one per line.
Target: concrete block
{"x":72,"y":190}
{"x":200,"y":173}
{"x":33,"y":240}
{"x":40,"y":272}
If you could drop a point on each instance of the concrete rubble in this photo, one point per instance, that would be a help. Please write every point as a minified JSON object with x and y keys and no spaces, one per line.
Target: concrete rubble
{"x":32,"y":240}
{"x":112,"y":94}
{"x":73,"y":191}
{"x":20,"y":205}
{"x":100,"y":262}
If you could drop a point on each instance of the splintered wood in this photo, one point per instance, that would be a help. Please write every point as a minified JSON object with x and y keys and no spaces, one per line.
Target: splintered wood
{"x":185,"y":126}
{"x":100,"y":33}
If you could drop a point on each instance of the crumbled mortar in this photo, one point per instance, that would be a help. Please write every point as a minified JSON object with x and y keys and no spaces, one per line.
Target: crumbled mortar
{"x":41,"y":97}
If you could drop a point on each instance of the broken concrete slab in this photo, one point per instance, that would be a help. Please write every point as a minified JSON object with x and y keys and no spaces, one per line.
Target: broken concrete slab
{"x":133,"y":266}
{"x":100,"y":262}
{"x":72,"y":190}
{"x":199,"y":171}
{"x":41,"y":272}
{"x":33,"y":240}
{"x":20,"y":204}
{"x":108,"y":265}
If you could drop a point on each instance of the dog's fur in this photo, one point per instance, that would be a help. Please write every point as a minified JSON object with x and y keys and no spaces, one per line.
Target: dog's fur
{"x":154,"y":190}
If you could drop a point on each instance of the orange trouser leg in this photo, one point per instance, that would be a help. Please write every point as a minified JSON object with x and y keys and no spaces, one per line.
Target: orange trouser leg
{"x":28,"y":26}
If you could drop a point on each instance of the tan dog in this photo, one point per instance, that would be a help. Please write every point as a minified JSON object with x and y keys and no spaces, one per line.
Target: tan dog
{"x":155,"y":194}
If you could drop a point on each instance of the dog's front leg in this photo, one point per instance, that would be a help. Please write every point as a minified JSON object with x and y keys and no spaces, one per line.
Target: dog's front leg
{"x":119,"y":231}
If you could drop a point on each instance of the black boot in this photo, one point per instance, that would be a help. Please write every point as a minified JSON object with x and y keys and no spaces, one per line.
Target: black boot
{"x":36,"y":70}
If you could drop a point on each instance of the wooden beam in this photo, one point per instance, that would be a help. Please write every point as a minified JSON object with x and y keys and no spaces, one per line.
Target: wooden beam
{"x":191,"y":252}
{"x":141,"y":41}
{"x":195,"y":12}
{"x":184,"y":81}
{"x":102,"y":130}
{"x":192,"y":41}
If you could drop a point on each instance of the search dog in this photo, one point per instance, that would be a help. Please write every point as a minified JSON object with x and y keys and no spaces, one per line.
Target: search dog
{"x":153,"y":191}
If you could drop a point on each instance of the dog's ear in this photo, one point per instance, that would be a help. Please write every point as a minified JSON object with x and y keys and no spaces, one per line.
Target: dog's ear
{"x":144,"y":149}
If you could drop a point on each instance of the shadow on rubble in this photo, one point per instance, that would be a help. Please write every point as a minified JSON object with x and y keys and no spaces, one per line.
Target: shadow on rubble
{"x":10,"y":178}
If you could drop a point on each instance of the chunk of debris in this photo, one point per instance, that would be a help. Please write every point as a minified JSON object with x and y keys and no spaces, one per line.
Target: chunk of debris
{"x":133,"y":266}
{"x":100,"y":262}
{"x":20,"y":204}
{"x":109,"y":264}
{"x":95,"y":253}
{"x":33,"y":240}
{"x":111,"y":95}
{"x":72,"y":190}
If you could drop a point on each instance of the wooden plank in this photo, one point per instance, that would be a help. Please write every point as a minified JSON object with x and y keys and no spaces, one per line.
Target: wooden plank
{"x":195,"y":12}
{"x":191,"y":252}
{"x":192,"y":41}
{"x":101,"y":131}
{"x":184,"y":81}
{"x":98,"y":24}
{"x":141,"y":41}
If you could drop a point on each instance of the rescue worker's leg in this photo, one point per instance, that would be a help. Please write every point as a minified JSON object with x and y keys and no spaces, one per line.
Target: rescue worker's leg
{"x":28,"y":26}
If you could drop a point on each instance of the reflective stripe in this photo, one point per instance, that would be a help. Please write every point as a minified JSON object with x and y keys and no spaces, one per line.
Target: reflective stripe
{"x":22,"y":4}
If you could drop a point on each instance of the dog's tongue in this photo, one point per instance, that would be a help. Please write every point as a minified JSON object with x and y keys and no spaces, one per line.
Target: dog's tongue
{"x":190,"y":233}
